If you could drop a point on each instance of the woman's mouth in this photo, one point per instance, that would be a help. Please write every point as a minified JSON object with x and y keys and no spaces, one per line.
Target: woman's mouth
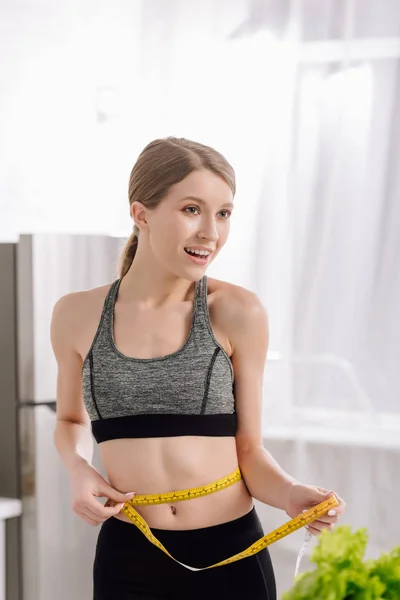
{"x":200,"y":257}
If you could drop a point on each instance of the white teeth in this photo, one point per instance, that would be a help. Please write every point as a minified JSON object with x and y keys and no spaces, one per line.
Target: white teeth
{"x":199,"y":252}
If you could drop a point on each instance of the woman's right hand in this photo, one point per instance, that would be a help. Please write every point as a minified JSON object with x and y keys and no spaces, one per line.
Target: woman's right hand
{"x":86,"y":485}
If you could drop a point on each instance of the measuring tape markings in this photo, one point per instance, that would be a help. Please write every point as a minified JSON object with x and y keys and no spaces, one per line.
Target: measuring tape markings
{"x":298,"y":522}
{"x":190,"y":494}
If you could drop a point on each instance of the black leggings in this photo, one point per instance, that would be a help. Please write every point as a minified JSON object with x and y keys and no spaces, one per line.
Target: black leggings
{"x":127,"y":566}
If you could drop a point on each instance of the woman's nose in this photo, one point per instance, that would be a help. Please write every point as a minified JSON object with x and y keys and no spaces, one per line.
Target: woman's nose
{"x":209,"y":232}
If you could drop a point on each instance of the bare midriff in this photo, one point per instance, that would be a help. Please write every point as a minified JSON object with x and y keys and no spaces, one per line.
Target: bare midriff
{"x":156,"y":465}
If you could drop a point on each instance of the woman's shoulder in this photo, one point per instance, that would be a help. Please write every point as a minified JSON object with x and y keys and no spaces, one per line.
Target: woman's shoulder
{"x":229,"y":296}
{"x":237,"y":312}
{"x":81,"y":301}
{"x":76,"y":314}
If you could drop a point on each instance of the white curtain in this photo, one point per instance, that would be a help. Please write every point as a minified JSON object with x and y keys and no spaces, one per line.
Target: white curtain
{"x":344,"y":236}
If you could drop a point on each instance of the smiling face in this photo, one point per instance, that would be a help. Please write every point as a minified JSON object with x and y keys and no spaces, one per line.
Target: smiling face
{"x":195,"y":214}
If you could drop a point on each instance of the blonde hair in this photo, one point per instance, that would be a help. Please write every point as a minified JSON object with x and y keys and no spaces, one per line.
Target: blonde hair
{"x":163,"y":163}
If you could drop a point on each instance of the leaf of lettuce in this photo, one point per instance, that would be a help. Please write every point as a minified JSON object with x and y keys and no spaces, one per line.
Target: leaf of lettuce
{"x":387,"y":569}
{"x":341,"y":547}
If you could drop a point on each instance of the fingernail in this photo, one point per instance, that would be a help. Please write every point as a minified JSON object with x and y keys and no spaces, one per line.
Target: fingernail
{"x":305,"y":510}
{"x":130,"y":494}
{"x":331,"y":513}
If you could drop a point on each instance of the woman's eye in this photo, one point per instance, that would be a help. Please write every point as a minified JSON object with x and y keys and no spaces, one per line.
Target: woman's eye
{"x":228,"y":213}
{"x":191,"y":208}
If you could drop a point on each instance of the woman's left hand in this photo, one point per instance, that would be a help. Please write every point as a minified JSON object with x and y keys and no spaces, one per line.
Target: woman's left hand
{"x":301,"y":497}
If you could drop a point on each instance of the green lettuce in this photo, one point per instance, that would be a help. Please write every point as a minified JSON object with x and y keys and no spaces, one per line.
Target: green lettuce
{"x":342,"y":573}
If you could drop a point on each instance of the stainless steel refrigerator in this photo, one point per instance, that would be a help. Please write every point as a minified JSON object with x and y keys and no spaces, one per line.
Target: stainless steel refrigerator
{"x":49,"y":549}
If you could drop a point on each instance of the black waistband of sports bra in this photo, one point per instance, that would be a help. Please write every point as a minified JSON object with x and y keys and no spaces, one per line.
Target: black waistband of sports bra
{"x":164,"y":425}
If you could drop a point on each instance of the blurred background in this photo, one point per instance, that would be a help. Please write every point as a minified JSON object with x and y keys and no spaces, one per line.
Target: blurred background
{"x":303,"y":98}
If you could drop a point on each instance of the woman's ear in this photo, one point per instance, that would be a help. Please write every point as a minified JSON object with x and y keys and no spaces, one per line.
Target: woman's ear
{"x":139,"y":215}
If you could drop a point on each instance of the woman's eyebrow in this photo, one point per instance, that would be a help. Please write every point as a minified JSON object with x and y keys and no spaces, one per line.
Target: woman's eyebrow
{"x":201,"y":201}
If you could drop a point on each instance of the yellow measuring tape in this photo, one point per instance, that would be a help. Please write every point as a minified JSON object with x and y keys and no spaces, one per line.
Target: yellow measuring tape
{"x":301,"y":520}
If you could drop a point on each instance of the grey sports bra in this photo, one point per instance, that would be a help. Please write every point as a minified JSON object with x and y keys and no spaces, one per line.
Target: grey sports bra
{"x":188,"y":392}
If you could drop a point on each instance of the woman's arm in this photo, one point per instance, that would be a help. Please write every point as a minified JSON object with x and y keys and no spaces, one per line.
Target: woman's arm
{"x":246,"y":322}
{"x":249,"y":337}
{"x":72,"y":436}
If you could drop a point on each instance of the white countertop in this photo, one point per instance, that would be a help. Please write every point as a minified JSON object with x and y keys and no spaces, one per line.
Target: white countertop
{"x":9,"y":507}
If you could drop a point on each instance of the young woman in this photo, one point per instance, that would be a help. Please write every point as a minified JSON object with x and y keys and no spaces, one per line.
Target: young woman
{"x":166,"y":366}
